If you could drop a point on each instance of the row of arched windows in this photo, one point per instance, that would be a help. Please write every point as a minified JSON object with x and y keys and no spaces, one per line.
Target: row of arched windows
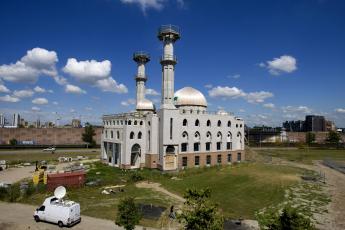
{"x":118,"y":122}
{"x":132,"y":135}
{"x":209,"y":135}
{"x":208,"y":123}
{"x":112,"y":134}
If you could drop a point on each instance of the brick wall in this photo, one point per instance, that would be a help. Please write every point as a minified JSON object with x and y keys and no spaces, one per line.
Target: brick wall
{"x":49,"y":136}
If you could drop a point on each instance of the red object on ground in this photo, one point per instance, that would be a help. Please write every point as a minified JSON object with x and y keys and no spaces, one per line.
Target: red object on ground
{"x":69,"y":179}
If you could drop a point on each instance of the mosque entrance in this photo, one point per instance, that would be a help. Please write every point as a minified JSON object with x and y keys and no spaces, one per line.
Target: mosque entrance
{"x":170,"y":158}
{"x":135,"y":156}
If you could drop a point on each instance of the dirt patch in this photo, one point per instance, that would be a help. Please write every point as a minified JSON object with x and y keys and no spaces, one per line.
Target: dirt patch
{"x":157,"y":187}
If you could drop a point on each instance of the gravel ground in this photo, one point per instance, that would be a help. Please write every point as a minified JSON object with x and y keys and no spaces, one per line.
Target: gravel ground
{"x":13,"y":175}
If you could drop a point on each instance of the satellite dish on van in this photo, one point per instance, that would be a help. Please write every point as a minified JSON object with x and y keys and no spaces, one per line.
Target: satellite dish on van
{"x":60,"y":192}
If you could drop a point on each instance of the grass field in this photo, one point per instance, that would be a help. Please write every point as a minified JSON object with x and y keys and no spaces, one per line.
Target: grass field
{"x":304,"y":155}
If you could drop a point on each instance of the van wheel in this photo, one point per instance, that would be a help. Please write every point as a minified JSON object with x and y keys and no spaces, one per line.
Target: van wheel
{"x":37,"y":219}
{"x":60,"y":224}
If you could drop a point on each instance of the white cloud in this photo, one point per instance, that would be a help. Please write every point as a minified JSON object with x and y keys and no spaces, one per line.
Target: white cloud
{"x":8,"y":98}
{"x":235,"y":76}
{"x":258,"y":97}
{"x":152,"y":92}
{"x":340,"y":110}
{"x":110,"y":85}
{"x":35,"y":108}
{"x":88,"y":71}
{"x":4,"y":89}
{"x":128,"y":102}
{"x":38,"y":89}
{"x":72,"y":111}
{"x":74,"y":89}
{"x":146,"y":4}
{"x":35,"y":63}
{"x":296,"y":109}
{"x":23,"y":93}
{"x":269,"y":105}
{"x":40,"y":101}
{"x":55,"y":103}
{"x":208,"y":86}
{"x":283,"y":64}
{"x":226,"y":91}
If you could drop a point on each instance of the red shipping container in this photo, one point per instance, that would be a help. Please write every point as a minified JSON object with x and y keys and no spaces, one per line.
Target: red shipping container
{"x":69,"y":179}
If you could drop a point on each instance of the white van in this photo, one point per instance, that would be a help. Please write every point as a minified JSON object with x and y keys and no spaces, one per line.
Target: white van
{"x":63,"y":213}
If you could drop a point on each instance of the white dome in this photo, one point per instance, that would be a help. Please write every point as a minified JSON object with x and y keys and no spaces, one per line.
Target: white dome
{"x":189,"y":96}
{"x":145,"y":105}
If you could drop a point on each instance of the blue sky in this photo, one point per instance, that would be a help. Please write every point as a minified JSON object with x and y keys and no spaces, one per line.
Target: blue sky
{"x":266,"y":61}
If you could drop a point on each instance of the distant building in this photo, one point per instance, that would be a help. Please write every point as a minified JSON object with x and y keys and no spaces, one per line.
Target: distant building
{"x":16,"y":120}
{"x":330,"y":126}
{"x":76,"y":123}
{"x":2,"y":120}
{"x":294,"y":126}
{"x":314,"y":123}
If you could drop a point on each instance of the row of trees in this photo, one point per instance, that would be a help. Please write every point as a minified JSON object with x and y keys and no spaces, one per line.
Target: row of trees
{"x":333,"y":138}
{"x":199,"y":213}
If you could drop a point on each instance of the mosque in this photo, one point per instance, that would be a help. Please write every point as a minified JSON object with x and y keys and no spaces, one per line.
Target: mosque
{"x":181,"y":134}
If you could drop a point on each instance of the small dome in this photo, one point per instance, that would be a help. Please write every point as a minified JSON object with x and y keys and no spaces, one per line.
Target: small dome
{"x":145,"y":105}
{"x":189,"y":96}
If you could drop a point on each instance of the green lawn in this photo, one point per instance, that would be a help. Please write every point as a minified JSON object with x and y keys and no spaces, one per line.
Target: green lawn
{"x":304,"y":155}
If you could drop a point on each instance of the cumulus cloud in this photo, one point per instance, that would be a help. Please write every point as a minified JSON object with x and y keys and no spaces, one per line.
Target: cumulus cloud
{"x":38,"y":89}
{"x":128,"y":102}
{"x":8,"y":98}
{"x":147,"y":4}
{"x":298,"y":109}
{"x":35,"y":108}
{"x":4,"y":89}
{"x":74,"y":89}
{"x":283,"y":64}
{"x":152,"y":92}
{"x":208,"y":86}
{"x":234,"y":92}
{"x":110,"y":85}
{"x":340,"y":110}
{"x":269,"y":105}
{"x":40,"y":101}
{"x":23,"y":93}
{"x":35,"y":63}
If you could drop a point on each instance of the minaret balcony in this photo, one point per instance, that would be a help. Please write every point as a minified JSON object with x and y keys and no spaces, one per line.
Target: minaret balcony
{"x":168,"y":59}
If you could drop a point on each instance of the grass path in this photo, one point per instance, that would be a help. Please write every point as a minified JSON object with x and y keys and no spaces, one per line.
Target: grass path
{"x":157,"y":187}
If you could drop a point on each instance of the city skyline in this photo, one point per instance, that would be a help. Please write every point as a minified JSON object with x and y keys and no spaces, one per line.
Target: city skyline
{"x":279,"y":63}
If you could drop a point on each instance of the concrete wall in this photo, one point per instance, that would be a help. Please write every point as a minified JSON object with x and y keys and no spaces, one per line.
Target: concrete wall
{"x":49,"y":136}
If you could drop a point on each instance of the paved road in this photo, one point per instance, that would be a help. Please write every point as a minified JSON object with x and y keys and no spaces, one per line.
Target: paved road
{"x":16,"y":216}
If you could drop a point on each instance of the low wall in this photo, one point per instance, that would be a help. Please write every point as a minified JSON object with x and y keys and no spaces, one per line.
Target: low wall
{"x":320,"y":137}
{"x":47,"y":136}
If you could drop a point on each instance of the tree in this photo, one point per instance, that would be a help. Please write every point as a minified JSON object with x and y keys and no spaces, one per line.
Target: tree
{"x":88,"y":134}
{"x":290,"y":219}
{"x":199,"y":213}
{"x":333,"y":137}
{"x":13,"y":142}
{"x":128,"y":214}
{"x":309,"y":138}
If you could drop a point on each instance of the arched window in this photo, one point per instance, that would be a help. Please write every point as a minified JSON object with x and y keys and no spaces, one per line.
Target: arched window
{"x":219,"y":136}
{"x":135,"y":122}
{"x":197,"y":123}
{"x":208,"y":136}
{"x":219,"y":123}
{"x":118,"y":134}
{"x":131,"y":136}
{"x":185,"y":122}
{"x":229,"y":123}
{"x":229,"y":136}
{"x":141,"y":122}
{"x":139,"y":135}
{"x":208,"y":123}
{"x":129,"y":122}
{"x":185,"y":136}
{"x":197,"y":136}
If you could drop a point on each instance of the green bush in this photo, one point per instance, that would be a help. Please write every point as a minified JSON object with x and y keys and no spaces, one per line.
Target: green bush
{"x":136,"y":176}
{"x":30,"y":190}
{"x":3,"y":193}
{"x":14,"y":192}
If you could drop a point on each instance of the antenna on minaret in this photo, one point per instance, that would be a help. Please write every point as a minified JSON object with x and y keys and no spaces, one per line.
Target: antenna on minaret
{"x":168,"y":34}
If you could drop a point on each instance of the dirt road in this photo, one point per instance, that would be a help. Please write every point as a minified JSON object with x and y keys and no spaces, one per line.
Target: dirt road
{"x":13,"y":175}
{"x":157,"y":187}
{"x":19,"y":216}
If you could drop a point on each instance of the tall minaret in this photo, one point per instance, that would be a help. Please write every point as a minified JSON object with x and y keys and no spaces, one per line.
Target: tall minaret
{"x":141,"y":58}
{"x":168,"y":34}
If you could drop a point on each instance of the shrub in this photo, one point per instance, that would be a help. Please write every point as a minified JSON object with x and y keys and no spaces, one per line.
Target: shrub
{"x":128,"y":214}
{"x":14,"y":192}
{"x":136,"y":176}
{"x":3,"y":193}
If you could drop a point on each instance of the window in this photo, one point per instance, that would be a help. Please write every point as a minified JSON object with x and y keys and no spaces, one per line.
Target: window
{"x":240,"y":125}
{"x":42,"y":208}
{"x":191,"y":111}
{"x":219,"y":123}
{"x":141,"y":122}
{"x":106,"y":134}
{"x":197,"y":123}
{"x":171,"y":128}
{"x":131,"y":136}
{"x":229,"y":123}
{"x":228,"y":145}
{"x":183,"y":111}
{"x":149,"y":139}
{"x":208,"y":159}
{"x":135,"y":122}
{"x":118,"y":134}
{"x":196,"y":147}
{"x":219,"y":159}
{"x":229,"y":157}
{"x":238,"y":156}
{"x":219,"y":145}
{"x":139,"y":135}
{"x":208,"y":123}
{"x":117,"y":122}
{"x":184,"y":147}
{"x":208,"y":146}
{"x":184,"y":122}
{"x":121,"y":122}
{"x":184,"y":161}
{"x":149,"y":123}
{"x":197,"y":136}
{"x":129,"y":122}
{"x":197,"y":161}
{"x":113,"y":122}
{"x":236,"y":125}
{"x":111,"y":134}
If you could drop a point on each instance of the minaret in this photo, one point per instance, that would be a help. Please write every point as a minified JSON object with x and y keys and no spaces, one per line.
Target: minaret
{"x":141,"y":58}
{"x":168,"y":34}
